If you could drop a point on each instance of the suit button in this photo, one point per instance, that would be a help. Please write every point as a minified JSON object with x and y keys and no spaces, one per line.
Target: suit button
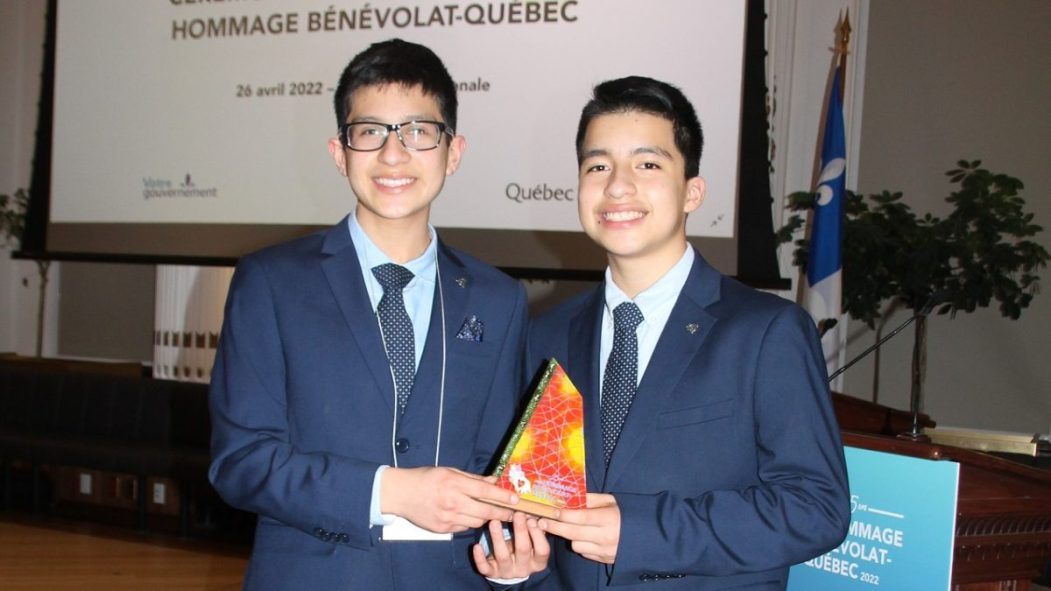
{"x":645,"y":577}
{"x":401,"y":445}
{"x":344,"y":538}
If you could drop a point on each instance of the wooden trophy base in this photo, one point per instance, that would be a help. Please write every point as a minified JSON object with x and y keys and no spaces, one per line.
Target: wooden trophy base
{"x":530,"y":507}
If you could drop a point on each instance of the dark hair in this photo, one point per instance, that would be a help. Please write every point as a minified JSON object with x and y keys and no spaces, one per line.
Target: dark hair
{"x":646,"y":95}
{"x":397,"y":62}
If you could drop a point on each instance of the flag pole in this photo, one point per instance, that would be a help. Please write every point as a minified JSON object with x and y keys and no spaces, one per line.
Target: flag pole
{"x":842,"y":49}
{"x":822,"y":296}
{"x":843,"y":30}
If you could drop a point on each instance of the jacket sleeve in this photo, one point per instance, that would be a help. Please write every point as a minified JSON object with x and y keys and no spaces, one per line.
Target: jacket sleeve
{"x":796,"y":508}
{"x":254,"y":465}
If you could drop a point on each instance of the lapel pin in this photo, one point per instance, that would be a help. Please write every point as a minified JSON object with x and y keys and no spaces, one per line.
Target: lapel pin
{"x":692,"y":327}
{"x":461,"y":281}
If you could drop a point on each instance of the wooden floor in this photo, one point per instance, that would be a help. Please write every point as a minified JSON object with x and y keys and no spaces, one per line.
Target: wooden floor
{"x":59,"y":556}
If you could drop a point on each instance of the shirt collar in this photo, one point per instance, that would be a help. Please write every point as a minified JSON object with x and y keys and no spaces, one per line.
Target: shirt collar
{"x":369,"y":255}
{"x":656,"y":300}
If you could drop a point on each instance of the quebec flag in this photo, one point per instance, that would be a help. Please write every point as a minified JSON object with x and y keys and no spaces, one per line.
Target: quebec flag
{"x":823,"y":295}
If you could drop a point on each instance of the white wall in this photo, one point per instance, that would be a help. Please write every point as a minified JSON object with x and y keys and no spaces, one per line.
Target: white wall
{"x":949,"y":80}
{"x":21,"y":56}
{"x":940,"y":80}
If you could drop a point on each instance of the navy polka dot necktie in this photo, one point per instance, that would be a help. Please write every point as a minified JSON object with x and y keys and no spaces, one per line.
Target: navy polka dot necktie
{"x":398,"y":337}
{"x":622,"y":370}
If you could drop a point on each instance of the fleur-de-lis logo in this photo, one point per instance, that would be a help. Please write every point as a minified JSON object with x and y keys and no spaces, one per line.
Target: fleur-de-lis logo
{"x":461,"y":281}
{"x":692,"y":327}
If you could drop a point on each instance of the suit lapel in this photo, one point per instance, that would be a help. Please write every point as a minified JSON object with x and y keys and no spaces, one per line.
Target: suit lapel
{"x":456,"y":285}
{"x":584,"y":334}
{"x":688,"y":327}
{"x":343,"y":272}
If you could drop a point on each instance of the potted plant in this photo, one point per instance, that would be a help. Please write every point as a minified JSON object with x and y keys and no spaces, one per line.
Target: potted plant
{"x":12,"y":224}
{"x":982,"y":251}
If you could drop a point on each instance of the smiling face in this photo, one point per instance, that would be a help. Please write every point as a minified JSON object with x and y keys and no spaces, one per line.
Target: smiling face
{"x":395,"y":186}
{"x":634,"y":194}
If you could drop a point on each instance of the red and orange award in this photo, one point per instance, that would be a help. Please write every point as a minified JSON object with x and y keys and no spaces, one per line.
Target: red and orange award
{"x":543,"y":462}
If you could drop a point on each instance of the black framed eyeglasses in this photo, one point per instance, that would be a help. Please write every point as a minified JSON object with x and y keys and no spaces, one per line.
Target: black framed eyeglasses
{"x":369,"y":136}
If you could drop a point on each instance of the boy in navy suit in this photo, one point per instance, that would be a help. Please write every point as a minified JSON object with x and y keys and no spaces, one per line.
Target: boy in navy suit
{"x":367,"y":374}
{"x":710,"y":435}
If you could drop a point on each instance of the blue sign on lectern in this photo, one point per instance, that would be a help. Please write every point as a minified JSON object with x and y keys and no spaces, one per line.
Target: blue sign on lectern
{"x":903,"y":516}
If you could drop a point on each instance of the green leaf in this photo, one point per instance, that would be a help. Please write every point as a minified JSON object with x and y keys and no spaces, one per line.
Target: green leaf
{"x":980,"y":252}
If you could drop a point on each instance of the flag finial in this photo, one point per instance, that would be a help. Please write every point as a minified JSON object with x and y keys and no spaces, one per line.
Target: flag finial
{"x":842,"y":43}
{"x":843,"y":38}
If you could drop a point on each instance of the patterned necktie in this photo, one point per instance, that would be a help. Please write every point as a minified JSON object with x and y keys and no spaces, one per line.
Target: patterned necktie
{"x":622,"y":370}
{"x":398,"y":338}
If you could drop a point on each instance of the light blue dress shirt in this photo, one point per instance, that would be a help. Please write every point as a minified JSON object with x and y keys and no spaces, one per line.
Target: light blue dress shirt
{"x":655,"y":303}
{"x":418,"y":294}
{"x":419,"y":300}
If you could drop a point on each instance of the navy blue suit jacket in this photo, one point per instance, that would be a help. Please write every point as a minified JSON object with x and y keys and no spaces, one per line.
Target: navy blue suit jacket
{"x":302,"y":406}
{"x":730,"y":466}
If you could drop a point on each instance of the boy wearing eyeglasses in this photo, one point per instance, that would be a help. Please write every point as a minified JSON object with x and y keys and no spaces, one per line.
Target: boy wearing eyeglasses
{"x":367,"y":374}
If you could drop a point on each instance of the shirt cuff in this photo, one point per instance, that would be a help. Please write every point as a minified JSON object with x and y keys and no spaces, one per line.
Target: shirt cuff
{"x":375,"y":517}
{"x":507,"y":581}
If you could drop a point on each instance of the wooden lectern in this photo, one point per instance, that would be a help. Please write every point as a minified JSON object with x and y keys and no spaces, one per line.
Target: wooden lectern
{"x":1003,"y":516}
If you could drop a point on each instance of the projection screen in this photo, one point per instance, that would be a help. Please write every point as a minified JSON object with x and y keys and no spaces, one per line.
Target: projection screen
{"x":199,"y":128}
